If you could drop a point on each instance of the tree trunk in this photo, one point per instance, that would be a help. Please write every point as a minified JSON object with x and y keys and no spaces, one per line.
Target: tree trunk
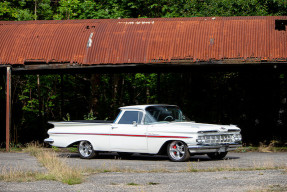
{"x":95,"y":81}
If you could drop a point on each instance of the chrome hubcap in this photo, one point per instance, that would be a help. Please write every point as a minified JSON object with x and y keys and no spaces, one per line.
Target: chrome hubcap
{"x":85,"y":148}
{"x":177,"y":150}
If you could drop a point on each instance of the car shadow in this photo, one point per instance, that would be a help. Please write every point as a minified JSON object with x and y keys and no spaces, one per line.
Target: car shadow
{"x":144,"y":157}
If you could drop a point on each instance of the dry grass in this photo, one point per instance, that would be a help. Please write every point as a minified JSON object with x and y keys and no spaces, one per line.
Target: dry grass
{"x":264,"y":147}
{"x":277,"y":188}
{"x":106,"y":168}
{"x":56,"y":167}
{"x":58,"y":170}
{"x":32,"y":148}
{"x":112,"y":167}
{"x":231,"y":166}
{"x":190,"y":167}
{"x":17,"y":174}
{"x":271,"y":188}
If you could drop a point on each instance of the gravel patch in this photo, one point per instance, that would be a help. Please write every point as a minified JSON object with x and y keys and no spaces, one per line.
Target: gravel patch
{"x":166,"y":175}
{"x":200,"y":181}
{"x":141,"y":162}
{"x":21,"y":161}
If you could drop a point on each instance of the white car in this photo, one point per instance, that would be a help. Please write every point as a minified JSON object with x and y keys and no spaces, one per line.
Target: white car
{"x":148,"y":129}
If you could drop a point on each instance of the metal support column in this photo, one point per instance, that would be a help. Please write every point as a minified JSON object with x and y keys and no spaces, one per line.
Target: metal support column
{"x":8,"y":107}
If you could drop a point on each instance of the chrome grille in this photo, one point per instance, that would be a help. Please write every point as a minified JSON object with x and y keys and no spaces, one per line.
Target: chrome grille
{"x":216,"y":139}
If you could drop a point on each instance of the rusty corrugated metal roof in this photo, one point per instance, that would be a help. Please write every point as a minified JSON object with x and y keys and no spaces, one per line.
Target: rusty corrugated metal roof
{"x":145,"y":40}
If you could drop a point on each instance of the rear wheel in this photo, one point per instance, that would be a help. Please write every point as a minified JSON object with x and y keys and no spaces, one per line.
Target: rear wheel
{"x":178,"y":151}
{"x":217,"y":155}
{"x":86,"y":150}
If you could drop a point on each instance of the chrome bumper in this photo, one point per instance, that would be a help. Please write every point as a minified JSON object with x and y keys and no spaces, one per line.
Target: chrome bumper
{"x":213,"y":148}
{"x":49,"y":141}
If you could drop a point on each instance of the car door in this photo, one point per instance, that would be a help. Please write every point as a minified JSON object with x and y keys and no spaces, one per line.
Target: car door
{"x":129,"y":134}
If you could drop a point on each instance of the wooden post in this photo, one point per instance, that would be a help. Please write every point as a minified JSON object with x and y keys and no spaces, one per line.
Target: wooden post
{"x":39,"y":96}
{"x":8,"y":107}
{"x":62,"y":96}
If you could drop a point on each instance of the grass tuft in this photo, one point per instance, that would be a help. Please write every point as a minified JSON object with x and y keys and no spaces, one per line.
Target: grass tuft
{"x":191,"y":167}
{"x":33,"y":148}
{"x":152,"y":183}
{"x":132,"y":183}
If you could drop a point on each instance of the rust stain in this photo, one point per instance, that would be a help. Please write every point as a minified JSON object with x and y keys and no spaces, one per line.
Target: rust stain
{"x":145,"y":40}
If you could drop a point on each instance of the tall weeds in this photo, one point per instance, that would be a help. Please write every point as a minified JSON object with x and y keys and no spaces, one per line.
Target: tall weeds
{"x":17,"y":174}
{"x":57,"y":169}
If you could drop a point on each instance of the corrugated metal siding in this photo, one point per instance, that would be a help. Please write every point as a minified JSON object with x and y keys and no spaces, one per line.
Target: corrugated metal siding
{"x":146,"y":40}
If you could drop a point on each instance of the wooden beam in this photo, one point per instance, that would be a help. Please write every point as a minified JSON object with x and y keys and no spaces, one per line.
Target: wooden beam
{"x":8,"y":107}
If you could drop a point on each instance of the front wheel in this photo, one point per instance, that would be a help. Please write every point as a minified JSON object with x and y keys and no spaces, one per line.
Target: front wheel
{"x":217,"y":155}
{"x":178,"y":151}
{"x":86,"y":150}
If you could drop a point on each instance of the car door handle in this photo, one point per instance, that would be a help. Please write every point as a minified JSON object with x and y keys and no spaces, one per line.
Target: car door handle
{"x":114,"y":127}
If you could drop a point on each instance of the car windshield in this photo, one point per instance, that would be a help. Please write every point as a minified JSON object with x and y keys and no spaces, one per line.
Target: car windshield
{"x":164,"y":114}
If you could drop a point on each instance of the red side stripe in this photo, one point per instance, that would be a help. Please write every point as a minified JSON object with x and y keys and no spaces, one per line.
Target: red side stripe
{"x":125,"y":135}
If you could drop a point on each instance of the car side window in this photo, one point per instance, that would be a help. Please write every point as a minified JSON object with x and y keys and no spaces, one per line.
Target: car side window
{"x":147,"y":120}
{"x":129,"y":116}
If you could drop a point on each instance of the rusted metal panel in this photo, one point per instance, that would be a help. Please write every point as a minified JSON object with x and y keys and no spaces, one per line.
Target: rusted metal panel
{"x":144,"y":41}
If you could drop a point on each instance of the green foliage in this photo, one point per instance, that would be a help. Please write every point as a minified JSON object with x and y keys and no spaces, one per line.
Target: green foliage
{"x":5,"y":10}
{"x":56,"y":149}
{"x":73,"y":149}
{"x":67,"y":118}
{"x":68,"y":9}
{"x":90,"y":116}
{"x":44,"y":10}
{"x":15,"y":147}
{"x":35,"y":100}
{"x":88,"y":9}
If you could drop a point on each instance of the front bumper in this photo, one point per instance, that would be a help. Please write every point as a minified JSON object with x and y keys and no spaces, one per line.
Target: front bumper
{"x":49,"y":141}
{"x":213,"y":148}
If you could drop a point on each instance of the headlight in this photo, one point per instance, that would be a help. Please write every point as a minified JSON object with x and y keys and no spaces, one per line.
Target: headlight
{"x":200,"y":140}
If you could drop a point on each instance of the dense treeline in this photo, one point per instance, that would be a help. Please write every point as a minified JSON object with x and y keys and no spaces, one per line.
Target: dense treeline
{"x":253,"y":99}
{"x":87,"y":9}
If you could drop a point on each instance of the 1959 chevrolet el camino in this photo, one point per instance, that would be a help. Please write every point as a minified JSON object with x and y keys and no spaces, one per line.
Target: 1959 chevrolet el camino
{"x":148,"y":129}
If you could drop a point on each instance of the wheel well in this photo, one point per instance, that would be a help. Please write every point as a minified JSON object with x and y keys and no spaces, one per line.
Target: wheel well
{"x":163,"y":149}
{"x":75,"y":144}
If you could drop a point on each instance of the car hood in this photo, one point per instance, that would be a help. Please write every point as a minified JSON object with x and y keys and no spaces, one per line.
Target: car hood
{"x":192,"y":127}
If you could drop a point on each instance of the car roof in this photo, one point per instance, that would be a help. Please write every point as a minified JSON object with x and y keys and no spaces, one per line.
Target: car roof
{"x":143,"y":107}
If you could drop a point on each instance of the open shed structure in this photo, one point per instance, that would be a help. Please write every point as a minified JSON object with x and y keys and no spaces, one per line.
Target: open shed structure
{"x":147,"y":44}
